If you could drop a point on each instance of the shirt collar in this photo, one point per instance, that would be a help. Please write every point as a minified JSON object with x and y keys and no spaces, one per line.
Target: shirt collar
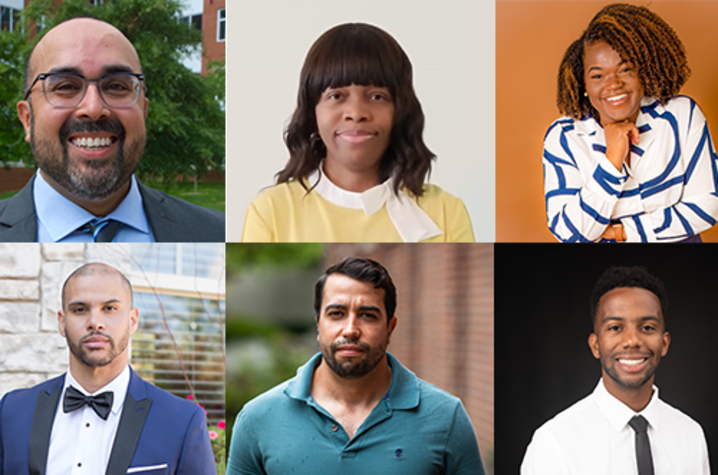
{"x":61,"y":217}
{"x":410,"y":221}
{"x":618,"y":414}
{"x":403,"y":392}
{"x":117,"y":386}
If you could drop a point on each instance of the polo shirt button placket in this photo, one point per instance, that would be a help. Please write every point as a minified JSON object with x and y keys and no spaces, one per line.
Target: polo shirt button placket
{"x":334,"y":428}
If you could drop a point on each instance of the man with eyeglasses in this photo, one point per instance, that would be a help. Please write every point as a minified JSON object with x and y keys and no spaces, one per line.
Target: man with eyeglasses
{"x":84,"y":113}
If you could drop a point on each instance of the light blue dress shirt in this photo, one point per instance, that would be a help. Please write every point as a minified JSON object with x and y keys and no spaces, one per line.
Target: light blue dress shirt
{"x":59,"y":219}
{"x":415,"y":429}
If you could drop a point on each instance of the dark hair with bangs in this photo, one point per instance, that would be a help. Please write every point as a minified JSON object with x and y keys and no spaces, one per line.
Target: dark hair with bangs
{"x":640,"y":37}
{"x":361,"y":54}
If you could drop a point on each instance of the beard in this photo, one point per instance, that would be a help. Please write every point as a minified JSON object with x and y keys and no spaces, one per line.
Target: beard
{"x":353,"y":369}
{"x":93,"y":361}
{"x":87,"y":180}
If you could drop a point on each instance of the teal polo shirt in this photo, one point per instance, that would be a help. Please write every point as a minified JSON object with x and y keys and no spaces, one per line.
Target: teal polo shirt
{"x":416,"y":429}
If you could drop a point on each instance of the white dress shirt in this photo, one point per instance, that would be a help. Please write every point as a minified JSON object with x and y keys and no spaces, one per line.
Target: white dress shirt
{"x":593,"y":437}
{"x":81,"y":442}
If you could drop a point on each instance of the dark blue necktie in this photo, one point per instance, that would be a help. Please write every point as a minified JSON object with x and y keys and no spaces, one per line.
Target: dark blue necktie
{"x":102,"y":230}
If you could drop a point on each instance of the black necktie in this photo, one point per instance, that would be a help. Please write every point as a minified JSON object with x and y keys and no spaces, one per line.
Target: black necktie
{"x":643,"y":446}
{"x":74,"y":399}
{"x":102,"y":230}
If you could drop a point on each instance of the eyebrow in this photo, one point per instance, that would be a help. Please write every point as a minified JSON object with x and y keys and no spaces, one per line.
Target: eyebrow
{"x":640,"y":319}
{"x":79,"y":302}
{"x":365,"y":308}
{"x":109,"y":69}
{"x":622,"y":62}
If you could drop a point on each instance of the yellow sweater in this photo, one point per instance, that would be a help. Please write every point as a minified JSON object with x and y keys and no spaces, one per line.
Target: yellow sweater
{"x":287,"y":213}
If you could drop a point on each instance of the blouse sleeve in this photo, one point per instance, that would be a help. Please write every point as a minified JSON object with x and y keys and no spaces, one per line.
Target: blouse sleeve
{"x":459,"y":227}
{"x":580,"y":196}
{"x":697,"y":209}
{"x":257,"y":224}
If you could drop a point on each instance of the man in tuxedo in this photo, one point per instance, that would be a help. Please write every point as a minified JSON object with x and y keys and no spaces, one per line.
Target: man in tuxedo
{"x":84,"y":112}
{"x":100,"y":417}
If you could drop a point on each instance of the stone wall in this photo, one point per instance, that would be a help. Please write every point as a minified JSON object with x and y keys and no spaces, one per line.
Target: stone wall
{"x":31,"y":276}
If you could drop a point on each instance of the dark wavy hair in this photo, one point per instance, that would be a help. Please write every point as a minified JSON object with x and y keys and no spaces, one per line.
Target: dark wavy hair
{"x":640,"y":37}
{"x":361,"y":54}
{"x":619,"y":277}
{"x":363,"y":270}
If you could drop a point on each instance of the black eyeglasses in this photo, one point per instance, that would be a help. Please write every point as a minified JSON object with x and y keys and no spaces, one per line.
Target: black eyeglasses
{"x":66,"y":90}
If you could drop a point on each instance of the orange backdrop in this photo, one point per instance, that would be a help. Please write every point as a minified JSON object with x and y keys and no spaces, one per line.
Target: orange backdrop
{"x":531,"y":38}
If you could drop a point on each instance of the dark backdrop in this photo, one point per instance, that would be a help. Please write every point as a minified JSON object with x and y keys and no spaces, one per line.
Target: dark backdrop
{"x":543,"y":363}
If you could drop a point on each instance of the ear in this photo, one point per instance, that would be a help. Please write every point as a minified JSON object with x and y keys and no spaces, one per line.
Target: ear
{"x":666,"y":343}
{"x":147,"y":104}
{"x":392,"y":325}
{"x":593,"y":344}
{"x":61,"y":322}
{"x":134,"y":319}
{"x":23,"y":112}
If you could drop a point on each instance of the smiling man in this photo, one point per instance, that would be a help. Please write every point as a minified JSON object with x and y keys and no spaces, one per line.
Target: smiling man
{"x":353,"y":408}
{"x":100,"y":417}
{"x":84,"y":112}
{"x":622,"y":427}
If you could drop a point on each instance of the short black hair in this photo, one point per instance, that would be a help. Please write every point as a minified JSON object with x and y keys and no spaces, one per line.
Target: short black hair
{"x":361,"y":54}
{"x":93,"y":268}
{"x":620,"y":277}
{"x":364,"y":270}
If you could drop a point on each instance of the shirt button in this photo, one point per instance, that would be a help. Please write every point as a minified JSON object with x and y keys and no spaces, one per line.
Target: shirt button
{"x":334,"y":428}
{"x":79,"y":464}
{"x":87,"y":425}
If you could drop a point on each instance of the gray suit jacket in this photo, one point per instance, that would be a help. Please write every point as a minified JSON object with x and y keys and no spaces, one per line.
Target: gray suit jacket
{"x":171,"y":219}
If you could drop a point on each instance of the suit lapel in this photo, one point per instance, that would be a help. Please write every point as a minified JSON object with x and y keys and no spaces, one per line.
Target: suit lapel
{"x":18,"y":220}
{"x":134,"y":413}
{"x":161,"y":218}
{"x":41,"y":429}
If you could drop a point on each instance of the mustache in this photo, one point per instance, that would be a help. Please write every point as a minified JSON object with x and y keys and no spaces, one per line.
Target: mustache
{"x":110,"y":124}
{"x":334,"y":346}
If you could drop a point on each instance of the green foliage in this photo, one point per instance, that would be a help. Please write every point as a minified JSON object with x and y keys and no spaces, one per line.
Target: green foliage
{"x":13,"y":49}
{"x":273,"y":255}
{"x":185,"y":125}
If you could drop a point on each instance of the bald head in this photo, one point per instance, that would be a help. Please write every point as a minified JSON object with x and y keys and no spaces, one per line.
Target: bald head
{"x":96,"y":268}
{"x":79,"y":39}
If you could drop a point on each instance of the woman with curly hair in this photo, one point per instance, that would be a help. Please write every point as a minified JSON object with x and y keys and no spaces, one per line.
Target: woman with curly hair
{"x":357,"y":160}
{"x":631,"y":160}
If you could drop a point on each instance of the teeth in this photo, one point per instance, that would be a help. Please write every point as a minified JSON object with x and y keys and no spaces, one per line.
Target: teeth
{"x":616,"y":98}
{"x":97,"y":142}
{"x":631,"y":362}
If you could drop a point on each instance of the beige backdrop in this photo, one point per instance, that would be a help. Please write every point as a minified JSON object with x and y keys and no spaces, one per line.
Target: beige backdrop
{"x":531,"y":38}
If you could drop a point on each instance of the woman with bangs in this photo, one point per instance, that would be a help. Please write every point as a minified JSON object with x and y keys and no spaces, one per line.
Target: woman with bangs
{"x":632,"y":160}
{"x":357,"y":157}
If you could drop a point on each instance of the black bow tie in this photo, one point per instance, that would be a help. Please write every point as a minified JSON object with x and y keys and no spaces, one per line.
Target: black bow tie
{"x":74,"y":400}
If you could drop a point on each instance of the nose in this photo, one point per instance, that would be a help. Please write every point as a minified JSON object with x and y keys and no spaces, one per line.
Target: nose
{"x":356,"y":109}
{"x":92,"y":106}
{"x":351,"y":330}
{"x":613,"y":81}
{"x":96,"y":322}
{"x":631,"y":338}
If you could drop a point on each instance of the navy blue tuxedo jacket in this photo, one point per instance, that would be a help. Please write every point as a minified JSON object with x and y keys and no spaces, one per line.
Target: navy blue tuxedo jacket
{"x":158,"y":433}
{"x":171,"y":219}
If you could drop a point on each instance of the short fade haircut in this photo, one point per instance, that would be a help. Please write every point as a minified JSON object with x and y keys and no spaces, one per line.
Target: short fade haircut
{"x":93,"y":268}
{"x":363,"y":270}
{"x":621,"y":277}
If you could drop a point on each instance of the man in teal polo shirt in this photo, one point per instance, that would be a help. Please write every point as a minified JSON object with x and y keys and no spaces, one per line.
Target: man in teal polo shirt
{"x":353,"y":408}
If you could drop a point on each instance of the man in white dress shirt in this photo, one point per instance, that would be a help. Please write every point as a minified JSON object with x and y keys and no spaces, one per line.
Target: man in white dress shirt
{"x":622,"y":427}
{"x":100,"y":417}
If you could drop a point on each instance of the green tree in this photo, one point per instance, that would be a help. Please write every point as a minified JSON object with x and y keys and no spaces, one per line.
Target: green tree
{"x":13,"y":46}
{"x":185,"y":125}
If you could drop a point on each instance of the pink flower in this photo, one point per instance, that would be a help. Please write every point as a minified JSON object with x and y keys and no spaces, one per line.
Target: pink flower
{"x":221,"y":424}
{"x":190,"y":397}
{"x":213,"y":434}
